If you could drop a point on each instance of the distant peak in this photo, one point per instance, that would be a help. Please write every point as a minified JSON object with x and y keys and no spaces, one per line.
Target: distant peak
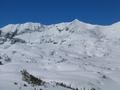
{"x":117,"y":23}
{"x":75,"y":20}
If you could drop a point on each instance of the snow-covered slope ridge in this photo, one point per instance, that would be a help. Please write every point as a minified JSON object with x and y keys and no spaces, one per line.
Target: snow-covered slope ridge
{"x":66,"y":56}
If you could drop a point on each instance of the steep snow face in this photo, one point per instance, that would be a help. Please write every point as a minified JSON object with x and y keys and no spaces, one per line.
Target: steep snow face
{"x":79,"y":54}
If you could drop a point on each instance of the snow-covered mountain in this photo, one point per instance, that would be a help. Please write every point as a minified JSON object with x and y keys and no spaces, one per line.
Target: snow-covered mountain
{"x":65,"y":56}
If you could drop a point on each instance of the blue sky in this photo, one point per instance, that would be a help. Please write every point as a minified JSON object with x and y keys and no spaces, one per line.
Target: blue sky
{"x":54,"y":11}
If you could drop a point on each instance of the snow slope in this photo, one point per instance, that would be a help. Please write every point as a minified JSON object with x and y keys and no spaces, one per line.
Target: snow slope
{"x":79,"y":54}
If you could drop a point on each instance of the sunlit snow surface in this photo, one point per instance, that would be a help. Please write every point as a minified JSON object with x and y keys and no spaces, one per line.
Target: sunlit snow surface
{"x":76,"y":53}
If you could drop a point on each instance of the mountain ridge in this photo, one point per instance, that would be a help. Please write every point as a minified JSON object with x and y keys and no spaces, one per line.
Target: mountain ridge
{"x":74,"y":21}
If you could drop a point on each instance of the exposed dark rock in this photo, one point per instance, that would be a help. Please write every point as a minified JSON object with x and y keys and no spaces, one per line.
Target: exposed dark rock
{"x":0,"y":32}
{"x":15,"y":83}
{"x":30,"y":79}
{"x":55,"y":42}
{"x":7,"y":59}
{"x":10,"y":35}
{"x":2,"y":40}
{"x":17,"y":40}
{"x":4,"y":59}
{"x":65,"y":86}
{"x":93,"y":89}
{"x":25,"y":85}
{"x":1,"y":63}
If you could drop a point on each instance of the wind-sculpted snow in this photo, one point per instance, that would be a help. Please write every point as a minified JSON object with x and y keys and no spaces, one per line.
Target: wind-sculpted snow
{"x":68,"y":56}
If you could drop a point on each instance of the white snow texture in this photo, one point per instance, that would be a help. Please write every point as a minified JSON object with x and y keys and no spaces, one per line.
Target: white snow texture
{"x":78,"y":54}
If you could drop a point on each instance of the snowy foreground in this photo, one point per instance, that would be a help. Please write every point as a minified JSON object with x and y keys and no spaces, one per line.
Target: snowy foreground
{"x":65,"y":56}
